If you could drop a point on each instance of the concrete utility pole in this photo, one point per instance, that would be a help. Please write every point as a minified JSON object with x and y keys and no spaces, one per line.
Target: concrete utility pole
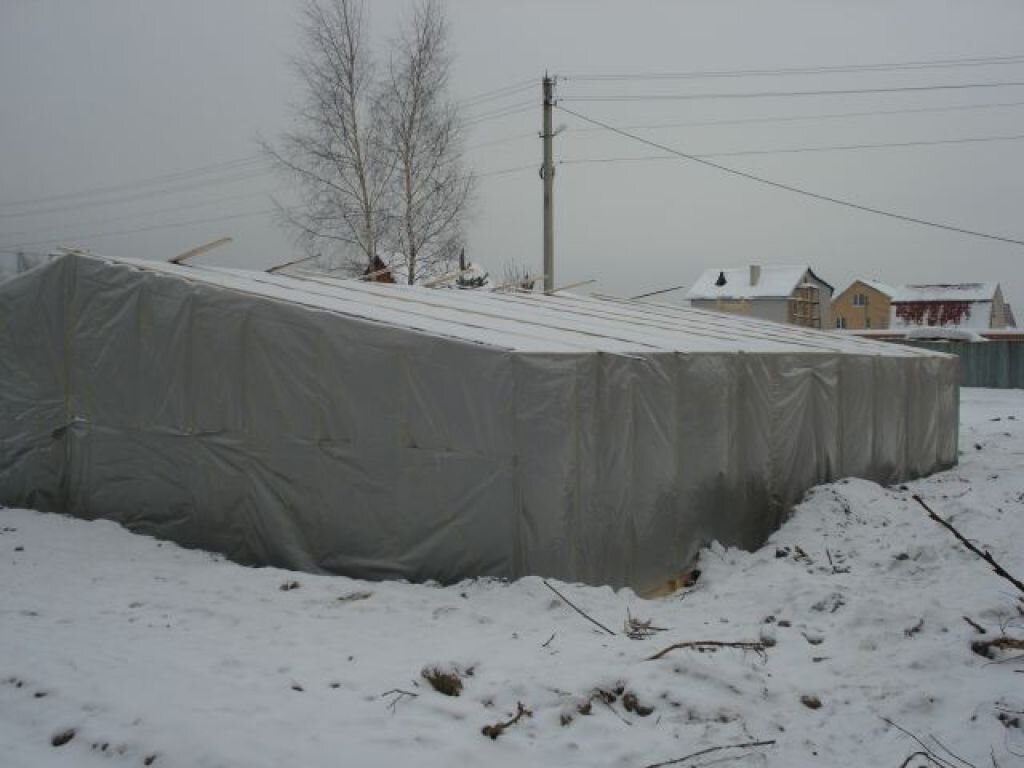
{"x":547,"y":174}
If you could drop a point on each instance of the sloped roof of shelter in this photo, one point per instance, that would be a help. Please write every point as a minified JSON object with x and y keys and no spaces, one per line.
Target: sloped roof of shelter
{"x":775,"y":281}
{"x":525,"y":322}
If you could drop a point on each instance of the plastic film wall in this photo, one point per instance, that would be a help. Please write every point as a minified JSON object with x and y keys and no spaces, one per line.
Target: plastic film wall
{"x":286,"y":435}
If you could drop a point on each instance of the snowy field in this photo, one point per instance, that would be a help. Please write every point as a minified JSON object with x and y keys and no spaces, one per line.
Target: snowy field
{"x":117,"y":649}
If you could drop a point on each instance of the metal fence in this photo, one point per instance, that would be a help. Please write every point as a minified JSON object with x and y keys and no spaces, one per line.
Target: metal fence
{"x":998,"y":363}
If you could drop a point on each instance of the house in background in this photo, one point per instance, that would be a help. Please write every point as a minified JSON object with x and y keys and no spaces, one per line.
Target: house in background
{"x":864,"y":304}
{"x":785,"y":294}
{"x":972,"y":306}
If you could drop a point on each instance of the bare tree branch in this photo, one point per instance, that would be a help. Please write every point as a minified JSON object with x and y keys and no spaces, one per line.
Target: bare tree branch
{"x":568,"y":602}
{"x":333,"y":154}
{"x":431,"y":193}
{"x":986,"y":556}
{"x":709,"y":750}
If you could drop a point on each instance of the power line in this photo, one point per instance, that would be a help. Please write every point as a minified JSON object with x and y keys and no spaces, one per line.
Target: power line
{"x":506,"y":140}
{"x":798,"y":150}
{"x":813,"y":69}
{"x":762,"y":120}
{"x":791,"y":188}
{"x":499,"y":93}
{"x":241,"y":162}
{"x":793,"y":94}
{"x":171,"y":225}
{"x":506,"y":171}
{"x":798,"y":118}
{"x":142,"y":195}
{"x":158,"y":211}
{"x":503,"y":112}
{"x":203,"y":170}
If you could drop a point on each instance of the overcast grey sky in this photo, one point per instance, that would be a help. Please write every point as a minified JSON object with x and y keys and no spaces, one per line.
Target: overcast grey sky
{"x":99,"y":93}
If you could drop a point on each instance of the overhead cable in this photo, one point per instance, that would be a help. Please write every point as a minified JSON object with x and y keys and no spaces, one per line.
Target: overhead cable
{"x":170,"y":225}
{"x":798,"y":150}
{"x":188,"y":173}
{"x":790,"y":188}
{"x":804,"y":70}
{"x":793,"y":94}
{"x":799,"y":118}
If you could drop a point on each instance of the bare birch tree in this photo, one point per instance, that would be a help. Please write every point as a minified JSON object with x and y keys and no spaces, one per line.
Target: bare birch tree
{"x":376,"y":160}
{"x":334,"y":155}
{"x":430,"y":192}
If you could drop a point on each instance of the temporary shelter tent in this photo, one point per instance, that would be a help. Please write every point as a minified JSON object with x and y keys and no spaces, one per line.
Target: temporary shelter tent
{"x":392,"y":431}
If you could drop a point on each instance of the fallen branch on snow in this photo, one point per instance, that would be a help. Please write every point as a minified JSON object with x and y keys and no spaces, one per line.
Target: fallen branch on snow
{"x":710,"y":645}
{"x":399,"y":694}
{"x":975,"y":625}
{"x":928,"y":754}
{"x":986,"y":556}
{"x":921,"y":754}
{"x":568,"y":602}
{"x":709,"y":750}
{"x":494,"y":731}
{"x":1003,"y":643}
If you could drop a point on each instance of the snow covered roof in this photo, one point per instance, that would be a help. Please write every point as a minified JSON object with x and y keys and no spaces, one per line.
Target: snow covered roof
{"x":774,"y":281}
{"x":878,"y":285}
{"x":528,"y":322}
{"x":946,"y":292}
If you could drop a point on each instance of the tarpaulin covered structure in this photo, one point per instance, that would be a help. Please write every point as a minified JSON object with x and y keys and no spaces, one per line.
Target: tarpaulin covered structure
{"x":388,"y":431}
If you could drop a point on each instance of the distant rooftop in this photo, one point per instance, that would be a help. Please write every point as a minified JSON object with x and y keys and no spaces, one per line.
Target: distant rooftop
{"x":878,"y":285}
{"x":774,"y":281}
{"x":946,"y":292}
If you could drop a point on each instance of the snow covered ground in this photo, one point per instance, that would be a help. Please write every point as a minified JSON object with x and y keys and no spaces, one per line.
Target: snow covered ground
{"x":123,"y":650}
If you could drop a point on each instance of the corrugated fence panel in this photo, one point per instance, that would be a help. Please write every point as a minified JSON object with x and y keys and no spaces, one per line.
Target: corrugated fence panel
{"x":996,"y":363}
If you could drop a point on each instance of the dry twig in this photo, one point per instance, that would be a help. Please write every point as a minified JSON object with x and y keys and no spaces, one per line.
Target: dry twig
{"x":710,"y":645}
{"x":399,"y":694}
{"x":919,"y":753}
{"x":568,"y":602}
{"x":637,"y":629}
{"x":494,"y":731}
{"x":986,"y":556}
{"x":977,"y":627}
{"x":709,"y":750}
{"x":929,"y":754}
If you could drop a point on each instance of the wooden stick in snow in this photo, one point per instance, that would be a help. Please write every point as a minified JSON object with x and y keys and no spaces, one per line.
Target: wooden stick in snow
{"x":709,"y":750}
{"x":702,"y":644}
{"x":1000,"y":571}
{"x":568,"y":602}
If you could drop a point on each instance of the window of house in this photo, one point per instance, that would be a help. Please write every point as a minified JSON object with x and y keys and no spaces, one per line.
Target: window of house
{"x":860,"y":300}
{"x":840,"y":322}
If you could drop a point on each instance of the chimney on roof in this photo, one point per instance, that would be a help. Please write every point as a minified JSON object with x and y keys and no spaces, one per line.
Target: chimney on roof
{"x":755,"y":274}
{"x":721,"y":279}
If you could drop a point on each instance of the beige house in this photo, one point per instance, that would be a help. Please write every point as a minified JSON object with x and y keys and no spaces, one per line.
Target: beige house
{"x":785,"y":294}
{"x":864,"y":304}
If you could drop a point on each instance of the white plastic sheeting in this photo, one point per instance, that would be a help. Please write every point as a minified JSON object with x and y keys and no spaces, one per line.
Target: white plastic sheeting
{"x":398,"y":432}
{"x":12,"y":264}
